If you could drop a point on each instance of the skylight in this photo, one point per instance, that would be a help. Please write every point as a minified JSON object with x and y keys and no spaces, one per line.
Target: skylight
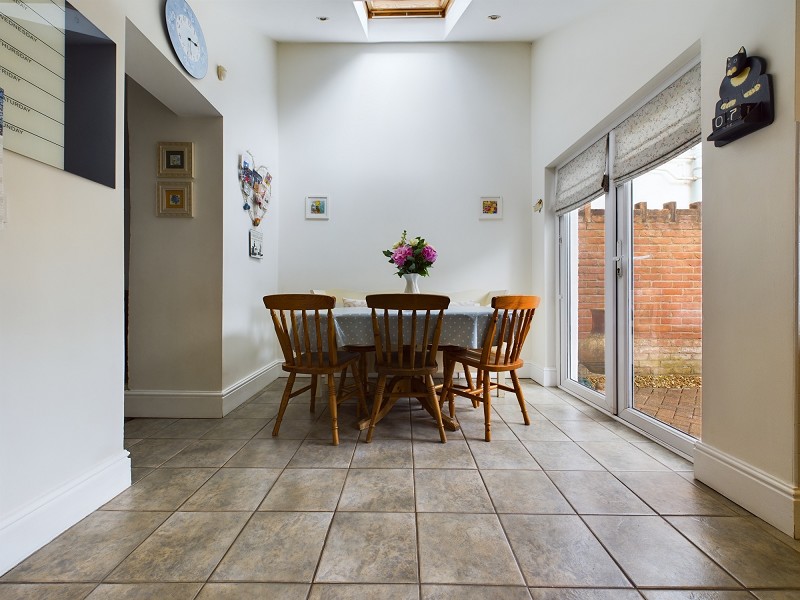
{"x":379,"y":9}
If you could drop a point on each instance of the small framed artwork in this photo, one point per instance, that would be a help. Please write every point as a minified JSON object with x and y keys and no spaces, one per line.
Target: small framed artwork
{"x":175,"y":159}
{"x":174,"y":199}
{"x":491,"y":207}
{"x":318,"y":207}
{"x":256,"y":244}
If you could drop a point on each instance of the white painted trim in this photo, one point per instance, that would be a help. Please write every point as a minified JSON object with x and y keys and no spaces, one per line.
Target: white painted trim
{"x":546,"y":376}
{"x":28,"y":529}
{"x":246,"y":388}
{"x":197,"y":404}
{"x":775,"y":501}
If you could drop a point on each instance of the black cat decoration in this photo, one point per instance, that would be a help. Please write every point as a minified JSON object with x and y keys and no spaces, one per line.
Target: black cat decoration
{"x":745,"y":99}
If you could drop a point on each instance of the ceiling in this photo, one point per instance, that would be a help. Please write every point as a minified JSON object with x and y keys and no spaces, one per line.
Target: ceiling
{"x":467,"y":21}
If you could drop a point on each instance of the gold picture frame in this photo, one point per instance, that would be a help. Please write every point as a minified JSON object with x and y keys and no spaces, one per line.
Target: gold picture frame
{"x":175,"y":159}
{"x":174,"y":199}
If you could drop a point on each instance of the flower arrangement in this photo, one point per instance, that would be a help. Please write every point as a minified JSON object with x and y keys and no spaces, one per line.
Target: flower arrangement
{"x":411,"y":256}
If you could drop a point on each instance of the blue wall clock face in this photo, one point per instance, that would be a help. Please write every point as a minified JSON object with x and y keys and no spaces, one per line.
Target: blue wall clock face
{"x":186,"y":37}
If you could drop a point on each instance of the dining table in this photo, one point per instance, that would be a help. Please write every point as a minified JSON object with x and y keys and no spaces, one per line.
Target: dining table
{"x":462,"y":327}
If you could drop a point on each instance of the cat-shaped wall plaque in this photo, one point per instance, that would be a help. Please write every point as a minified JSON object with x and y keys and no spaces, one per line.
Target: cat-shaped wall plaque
{"x":745,"y":99}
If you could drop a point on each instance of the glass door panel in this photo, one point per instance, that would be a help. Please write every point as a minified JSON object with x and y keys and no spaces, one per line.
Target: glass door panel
{"x":583,"y":277}
{"x":663,"y":379}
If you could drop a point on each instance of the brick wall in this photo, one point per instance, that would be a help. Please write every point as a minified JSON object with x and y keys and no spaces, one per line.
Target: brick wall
{"x":667,"y":283}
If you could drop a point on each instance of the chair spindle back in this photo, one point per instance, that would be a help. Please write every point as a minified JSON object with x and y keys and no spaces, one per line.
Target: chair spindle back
{"x":298,"y":320}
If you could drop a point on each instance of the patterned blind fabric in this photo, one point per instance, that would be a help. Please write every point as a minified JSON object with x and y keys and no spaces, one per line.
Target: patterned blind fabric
{"x":663,"y":128}
{"x":581,"y":179}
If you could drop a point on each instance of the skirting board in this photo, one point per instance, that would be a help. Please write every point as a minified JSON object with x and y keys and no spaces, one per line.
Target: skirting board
{"x":188,"y":404}
{"x":27,"y":530}
{"x":545,"y":376}
{"x":773,"y":500}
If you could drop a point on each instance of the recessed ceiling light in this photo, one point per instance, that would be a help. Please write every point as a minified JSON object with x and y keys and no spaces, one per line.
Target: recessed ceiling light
{"x":322,"y":18}
{"x":493,"y":17}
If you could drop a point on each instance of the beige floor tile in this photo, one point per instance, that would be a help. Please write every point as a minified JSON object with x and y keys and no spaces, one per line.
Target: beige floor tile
{"x":155,"y":452}
{"x":587,"y":431}
{"x":563,"y":412}
{"x":306,"y":489}
{"x":205,"y":453}
{"x":454,"y":454}
{"x":187,"y":428}
{"x":276,"y":547}
{"x":510,"y":412}
{"x":378,"y":490}
{"x":598,"y":493}
{"x":236,"y":429}
{"x":163,"y":489}
{"x":653,"y":554}
{"x":258,"y":412}
{"x":559,"y":550}
{"x":323,"y":454}
{"x":452,"y":491}
{"x":473,"y":592}
{"x":233,"y":490}
{"x":670,"y":494}
{"x":254,"y":591}
{"x":539,"y":431}
{"x":394,"y":426}
{"x":664,"y":456}
{"x":45,"y":591}
{"x":777,"y":594}
{"x":362,"y":591}
{"x":137,"y":473}
{"x":370,"y":547}
{"x":562,"y":456}
{"x":696,"y":595}
{"x":466,"y":549}
{"x":624,"y":431}
{"x":145,"y":591}
{"x":762,"y":562}
{"x":128,"y":442}
{"x":528,"y":492}
{"x":583,"y":594}
{"x":186,"y":547}
{"x":299,"y":409}
{"x":142,"y":428}
{"x":475,"y":430}
{"x":383,"y":454}
{"x":424,"y":429}
{"x":321,"y":429}
{"x":89,"y":550}
{"x":499,"y":454}
{"x":290,"y":430}
{"x":621,"y":456}
{"x":273,"y":453}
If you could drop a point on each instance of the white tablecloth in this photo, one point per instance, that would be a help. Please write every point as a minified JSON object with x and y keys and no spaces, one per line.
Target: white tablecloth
{"x":462,"y":326}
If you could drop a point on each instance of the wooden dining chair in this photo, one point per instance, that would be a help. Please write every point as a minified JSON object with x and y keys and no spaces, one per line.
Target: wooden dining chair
{"x":500,"y":353}
{"x":406,"y":329}
{"x":311,"y":349}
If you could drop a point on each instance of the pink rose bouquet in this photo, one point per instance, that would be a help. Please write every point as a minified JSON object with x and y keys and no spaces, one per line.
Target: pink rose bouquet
{"x":411,"y":256}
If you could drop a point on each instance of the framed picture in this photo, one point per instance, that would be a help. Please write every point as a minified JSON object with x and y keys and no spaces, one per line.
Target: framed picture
{"x":318,"y":207}
{"x":491,"y":207}
{"x":174,"y":199}
{"x":256,"y":244}
{"x":175,"y":159}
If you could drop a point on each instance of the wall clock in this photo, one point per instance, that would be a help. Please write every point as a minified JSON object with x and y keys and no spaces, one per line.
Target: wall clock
{"x":745,"y":99}
{"x":186,"y":37}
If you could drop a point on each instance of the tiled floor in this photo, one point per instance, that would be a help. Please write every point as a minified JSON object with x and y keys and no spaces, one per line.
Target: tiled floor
{"x":576,"y":506}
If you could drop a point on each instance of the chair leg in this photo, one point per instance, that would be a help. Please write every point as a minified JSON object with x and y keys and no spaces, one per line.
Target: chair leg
{"x":362,"y":397}
{"x":376,"y":406}
{"x":287,"y":391}
{"x":520,"y":397}
{"x":332,"y":408}
{"x":431,"y":389}
{"x":470,"y":383}
{"x":446,"y":393}
{"x":479,"y":378}
{"x":487,"y":405}
{"x":313,"y":393}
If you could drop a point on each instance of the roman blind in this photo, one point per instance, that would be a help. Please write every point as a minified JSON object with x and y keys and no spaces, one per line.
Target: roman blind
{"x":663,"y":128}
{"x":581,"y":179}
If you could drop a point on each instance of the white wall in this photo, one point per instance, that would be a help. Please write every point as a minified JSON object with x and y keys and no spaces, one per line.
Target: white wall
{"x":61,"y":351}
{"x":405,"y":137}
{"x":583,"y":75}
{"x":175,"y":314}
{"x":247,"y":101}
